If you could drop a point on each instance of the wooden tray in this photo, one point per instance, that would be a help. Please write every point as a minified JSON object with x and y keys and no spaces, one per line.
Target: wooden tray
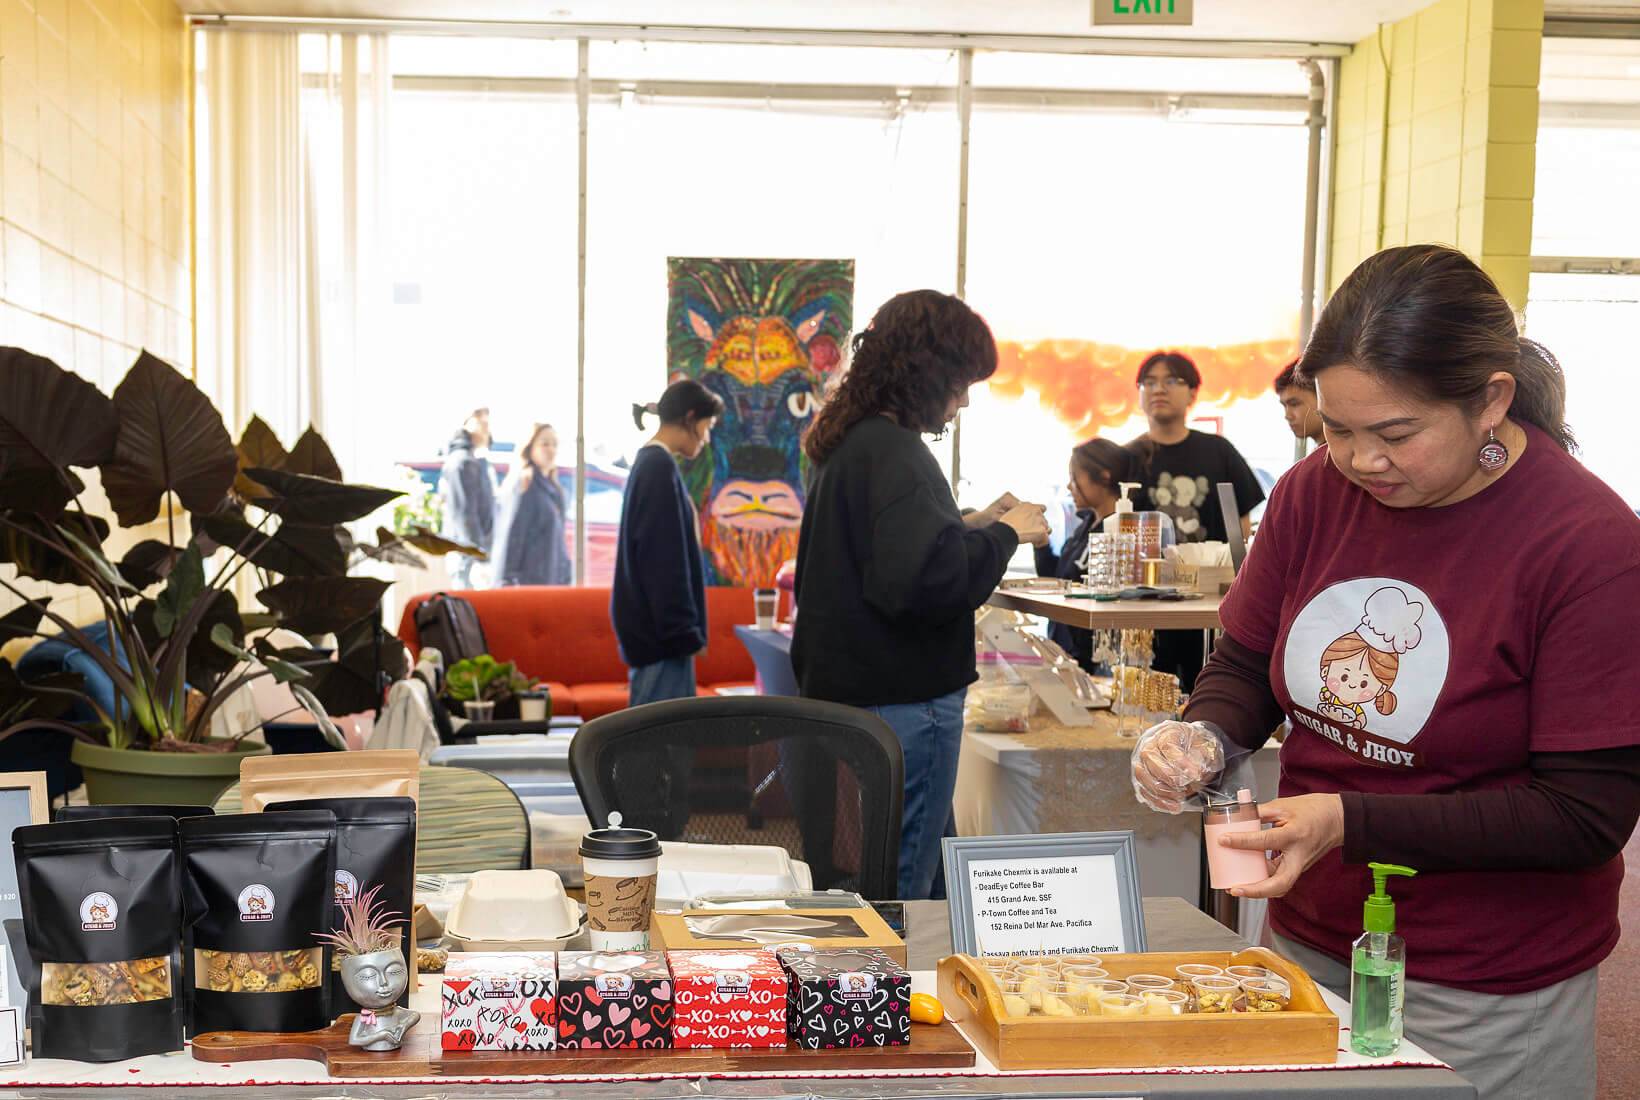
{"x":1306,"y":1033}
{"x":931,"y":1047}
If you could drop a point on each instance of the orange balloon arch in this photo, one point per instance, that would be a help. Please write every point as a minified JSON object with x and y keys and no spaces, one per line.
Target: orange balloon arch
{"x":1089,"y":386}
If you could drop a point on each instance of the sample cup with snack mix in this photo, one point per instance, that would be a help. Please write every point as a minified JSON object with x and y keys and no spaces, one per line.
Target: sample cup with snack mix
{"x":1266,"y":994}
{"x":1240,"y":972}
{"x":1216,"y":994}
{"x":620,"y":865}
{"x":1082,"y":973}
{"x":1063,"y":999}
{"x":1189,"y":972}
{"x":1014,"y":1001}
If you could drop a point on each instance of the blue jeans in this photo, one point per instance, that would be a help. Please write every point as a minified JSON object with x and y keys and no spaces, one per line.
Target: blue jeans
{"x":673,"y":678}
{"x":930,"y":736}
{"x":666,"y":771}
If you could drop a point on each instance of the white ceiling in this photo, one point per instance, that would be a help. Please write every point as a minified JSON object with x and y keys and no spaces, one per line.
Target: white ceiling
{"x":1324,"y":21}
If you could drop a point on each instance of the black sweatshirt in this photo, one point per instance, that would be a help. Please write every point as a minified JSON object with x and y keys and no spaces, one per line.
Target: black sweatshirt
{"x":888,"y":577}
{"x":658,"y":603}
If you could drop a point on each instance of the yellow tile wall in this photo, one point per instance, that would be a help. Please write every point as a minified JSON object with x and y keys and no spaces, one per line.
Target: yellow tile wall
{"x":1447,"y":151}
{"x":94,"y":183}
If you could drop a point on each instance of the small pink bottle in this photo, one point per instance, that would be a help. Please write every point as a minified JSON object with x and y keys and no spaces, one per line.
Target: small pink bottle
{"x":1227,"y":867}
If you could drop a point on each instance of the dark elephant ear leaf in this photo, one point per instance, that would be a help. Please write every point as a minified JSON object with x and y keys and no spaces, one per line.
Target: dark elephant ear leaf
{"x":312,"y":456}
{"x":257,"y":446}
{"x":423,"y":539}
{"x":22,"y":621}
{"x":323,"y":605}
{"x":302,"y":498}
{"x":50,"y":419}
{"x":208,"y":662}
{"x":390,"y":548}
{"x":353,"y":682}
{"x":148,"y":562}
{"x":292,"y":550}
{"x":42,"y":562}
{"x":171,"y":439}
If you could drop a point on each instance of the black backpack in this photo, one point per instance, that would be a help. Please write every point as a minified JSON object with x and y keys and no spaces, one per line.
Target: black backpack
{"x":450,"y":625}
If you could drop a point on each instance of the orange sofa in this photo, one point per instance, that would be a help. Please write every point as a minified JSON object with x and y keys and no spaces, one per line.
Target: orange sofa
{"x":563,"y":637}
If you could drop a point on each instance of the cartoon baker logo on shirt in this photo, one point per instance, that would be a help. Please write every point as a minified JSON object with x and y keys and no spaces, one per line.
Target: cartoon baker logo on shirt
{"x":1381,"y":650}
{"x":1359,"y":668}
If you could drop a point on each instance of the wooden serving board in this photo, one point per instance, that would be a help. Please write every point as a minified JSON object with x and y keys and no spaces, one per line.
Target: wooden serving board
{"x":1306,"y":1033}
{"x":931,"y":1047}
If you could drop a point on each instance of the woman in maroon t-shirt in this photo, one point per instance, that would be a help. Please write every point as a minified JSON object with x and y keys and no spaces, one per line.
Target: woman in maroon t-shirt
{"x":1442,"y":605}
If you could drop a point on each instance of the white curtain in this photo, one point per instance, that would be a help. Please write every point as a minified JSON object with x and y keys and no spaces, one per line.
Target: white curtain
{"x":292,"y":185}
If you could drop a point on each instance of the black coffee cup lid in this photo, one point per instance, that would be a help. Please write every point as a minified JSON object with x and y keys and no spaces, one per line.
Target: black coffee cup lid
{"x":618,"y":842}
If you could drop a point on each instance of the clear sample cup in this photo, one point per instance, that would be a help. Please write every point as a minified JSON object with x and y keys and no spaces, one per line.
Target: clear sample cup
{"x":1121,"y":1004}
{"x":1073,"y":972}
{"x":1189,"y":972}
{"x":1216,"y":994}
{"x":1266,"y":994}
{"x":1165,"y":1002}
{"x":1096,"y":989}
{"x":998,"y":964}
{"x":1141,"y":982}
{"x":1014,"y":1002}
{"x":1067,"y":961}
{"x":1063,"y":999}
{"x":1240,"y":972}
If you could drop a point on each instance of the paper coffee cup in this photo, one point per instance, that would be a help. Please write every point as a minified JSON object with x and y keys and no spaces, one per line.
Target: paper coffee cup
{"x":619,"y":866}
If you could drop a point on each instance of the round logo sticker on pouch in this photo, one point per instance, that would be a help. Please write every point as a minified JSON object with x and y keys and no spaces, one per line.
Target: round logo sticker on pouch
{"x":347,"y":886}
{"x":98,"y":913}
{"x":255,"y":903}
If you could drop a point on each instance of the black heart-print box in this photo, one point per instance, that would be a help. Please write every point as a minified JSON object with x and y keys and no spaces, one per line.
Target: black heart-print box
{"x":614,"y":1000}
{"x":846,"y":998}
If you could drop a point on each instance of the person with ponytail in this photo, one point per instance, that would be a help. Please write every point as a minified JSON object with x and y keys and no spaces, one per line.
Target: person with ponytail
{"x":1098,"y":468}
{"x":889,"y":572}
{"x":658,"y":603}
{"x":1439,"y":605}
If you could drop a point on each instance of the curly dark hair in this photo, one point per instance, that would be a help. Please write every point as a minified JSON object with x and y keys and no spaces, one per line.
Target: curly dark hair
{"x":920,"y":349}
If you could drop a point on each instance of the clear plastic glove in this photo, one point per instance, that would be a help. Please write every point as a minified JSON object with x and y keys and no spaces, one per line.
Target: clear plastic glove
{"x":1173,"y":761}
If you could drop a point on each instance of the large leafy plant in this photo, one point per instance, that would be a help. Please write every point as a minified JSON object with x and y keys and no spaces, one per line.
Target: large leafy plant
{"x":173,"y":620}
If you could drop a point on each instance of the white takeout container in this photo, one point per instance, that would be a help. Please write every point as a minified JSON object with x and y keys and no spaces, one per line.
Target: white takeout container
{"x":690,"y":870}
{"x":514,"y":911}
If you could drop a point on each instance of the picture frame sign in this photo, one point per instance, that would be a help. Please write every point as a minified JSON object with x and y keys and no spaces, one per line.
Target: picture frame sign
{"x":23,"y":801}
{"x":1052,"y":894}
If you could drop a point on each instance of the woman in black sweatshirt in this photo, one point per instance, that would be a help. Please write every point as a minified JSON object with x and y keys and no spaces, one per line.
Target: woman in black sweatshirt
{"x":889,"y":573}
{"x":1098,"y":468}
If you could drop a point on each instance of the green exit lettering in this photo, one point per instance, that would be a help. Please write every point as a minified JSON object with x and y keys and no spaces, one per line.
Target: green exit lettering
{"x":1175,"y":13}
{"x":1142,"y":7}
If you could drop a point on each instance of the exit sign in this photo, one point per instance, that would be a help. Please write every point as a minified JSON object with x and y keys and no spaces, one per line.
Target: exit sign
{"x":1143,"y":13}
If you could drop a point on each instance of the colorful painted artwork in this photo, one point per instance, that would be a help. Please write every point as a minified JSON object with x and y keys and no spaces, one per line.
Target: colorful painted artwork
{"x":766,"y":336}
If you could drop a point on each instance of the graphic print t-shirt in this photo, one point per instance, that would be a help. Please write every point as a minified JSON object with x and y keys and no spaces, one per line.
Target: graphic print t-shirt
{"x":1429,"y":651}
{"x":1181,"y":479}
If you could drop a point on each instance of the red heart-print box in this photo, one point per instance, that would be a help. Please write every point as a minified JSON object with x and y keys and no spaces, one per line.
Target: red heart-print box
{"x":727,"y":999}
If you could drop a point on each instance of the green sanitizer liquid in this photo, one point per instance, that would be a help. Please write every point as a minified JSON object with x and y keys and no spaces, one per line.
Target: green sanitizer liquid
{"x":1376,"y":991}
{"x":1378,"y":971}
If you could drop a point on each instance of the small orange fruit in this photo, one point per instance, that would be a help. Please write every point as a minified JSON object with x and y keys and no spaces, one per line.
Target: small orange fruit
{"x":926,"y":1009}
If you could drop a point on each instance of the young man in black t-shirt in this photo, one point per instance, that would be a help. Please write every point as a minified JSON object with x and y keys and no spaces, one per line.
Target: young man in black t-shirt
{"x":1181,"y":470}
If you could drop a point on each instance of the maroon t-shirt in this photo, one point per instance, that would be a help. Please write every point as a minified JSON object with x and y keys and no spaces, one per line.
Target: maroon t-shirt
{"x":1430,"y":650}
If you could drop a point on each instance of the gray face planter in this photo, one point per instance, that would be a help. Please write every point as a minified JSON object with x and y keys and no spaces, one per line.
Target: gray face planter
{"x":375,"y":981}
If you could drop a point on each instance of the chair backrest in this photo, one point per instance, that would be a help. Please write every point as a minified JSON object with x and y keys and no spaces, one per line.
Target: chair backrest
{"x":822,"y":780}
{"x":466,"y":821}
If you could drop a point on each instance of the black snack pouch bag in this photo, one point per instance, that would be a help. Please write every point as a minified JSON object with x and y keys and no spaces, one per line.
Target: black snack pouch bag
{"x":375,"y":846}
{"x":259,"y":892}
{"x":103,"y":922}
{"x":103,"y":813}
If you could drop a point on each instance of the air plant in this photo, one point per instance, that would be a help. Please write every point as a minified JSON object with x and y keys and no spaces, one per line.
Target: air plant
{"x":367,"y":926}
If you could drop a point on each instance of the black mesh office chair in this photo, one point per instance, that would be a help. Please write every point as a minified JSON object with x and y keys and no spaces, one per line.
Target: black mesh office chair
{"x":831,"y":794}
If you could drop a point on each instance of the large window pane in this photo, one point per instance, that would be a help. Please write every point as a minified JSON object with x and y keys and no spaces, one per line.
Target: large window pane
{"x":864,"y":180}
{"x":1095,"y":238}
{"x":1590,"y":322}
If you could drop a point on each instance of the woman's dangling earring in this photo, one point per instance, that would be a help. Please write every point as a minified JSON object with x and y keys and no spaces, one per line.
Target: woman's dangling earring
{"x":1493,"y":456}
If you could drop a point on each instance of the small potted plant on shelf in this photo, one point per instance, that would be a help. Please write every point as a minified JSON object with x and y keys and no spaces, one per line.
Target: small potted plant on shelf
{"x":482,"y":684}
{"x":373,"y":971}
{"x":199,"y":512}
